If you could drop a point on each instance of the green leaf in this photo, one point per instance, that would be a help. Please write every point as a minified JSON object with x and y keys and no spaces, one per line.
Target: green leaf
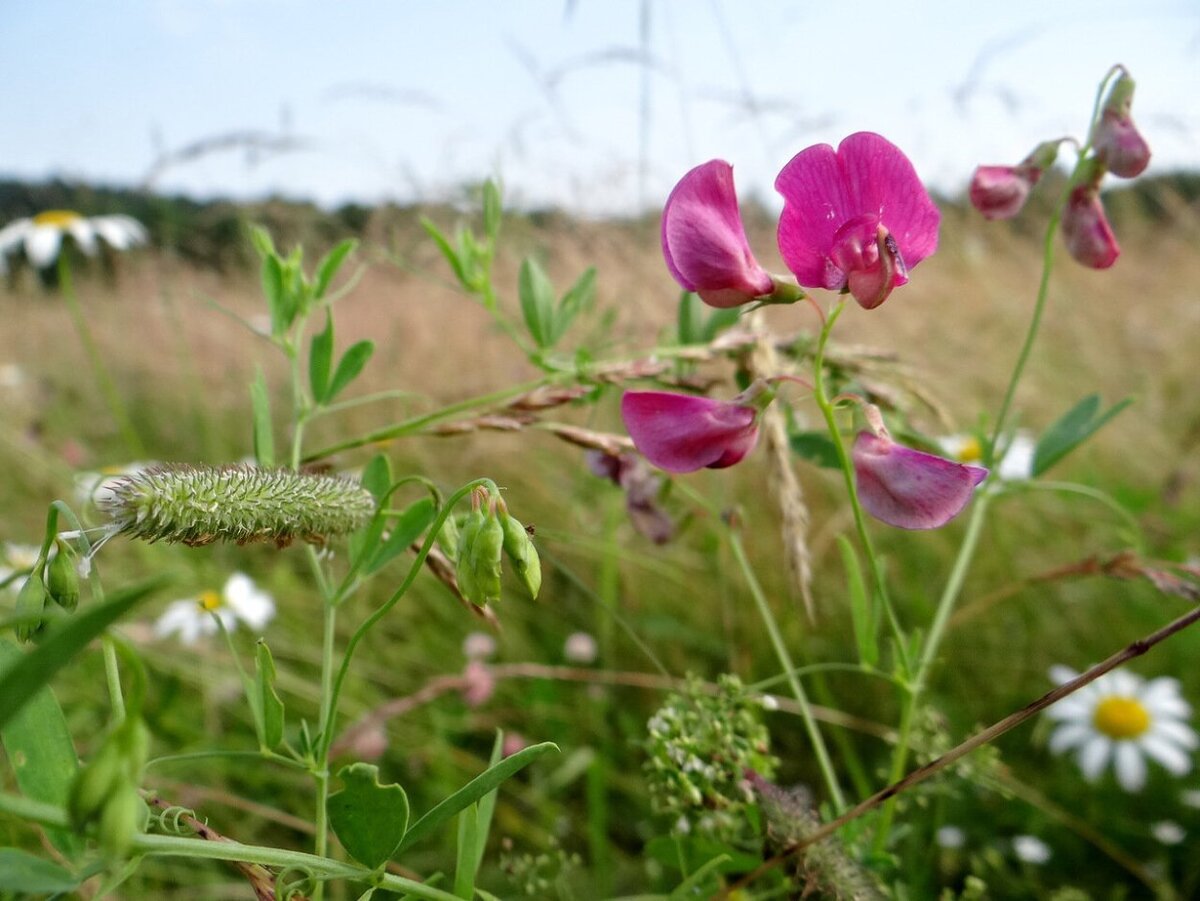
{"x":267,"y":701}
{"x":578,"y":297}
{"x":264,"y":441}
{"x":468,"y":851}
{"x":689,"y":319}
{"x":350,"y":366}
{"x":487,"y":804}
{"x":369,"y":819}
{"x":377,"y":477}
{"x":473,"y":791}
{"x":406,"y":528}
{"x":447,"y":250}
{"x":815,"y":447}
{"x":537,"y":302}
{"x":320,"y":359}
{"x":328,"y":267}
{"x":718,"y":321}
{"x":261,"y":239}
{"x":39,"y":748}
{"x":861,"y":618}
{"x":274,"y":290}
{"x":493,"y":210}
{"x":1076,"y":426}
{"x":25,"y":874}
{"x":23,"y":678}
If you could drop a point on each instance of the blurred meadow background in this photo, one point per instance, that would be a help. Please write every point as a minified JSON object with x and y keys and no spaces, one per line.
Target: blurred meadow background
{"x":324,"y":122}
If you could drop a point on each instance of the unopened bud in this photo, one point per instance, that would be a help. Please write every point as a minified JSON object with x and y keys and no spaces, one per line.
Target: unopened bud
{"x":447,"y":538}
{"x":31,"y":602}
{"x":62,"y":581}
{"x":104,"y":774}
{"x":119,"y":820}
{"x":480,"y":548}
{"x":524,"y":556}
{"x":1117,"y":142}
{"x":999,"y":192}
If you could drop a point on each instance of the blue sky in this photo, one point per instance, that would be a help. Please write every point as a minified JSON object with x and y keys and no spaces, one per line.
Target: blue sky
{"x":564,"y":100}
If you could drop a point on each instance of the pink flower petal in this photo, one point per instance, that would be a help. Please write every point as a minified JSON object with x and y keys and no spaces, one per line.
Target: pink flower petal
{"x":999,"y":192}
{"x":910,"y":489}
{"x":704,"y":241}
{"x":1088,"y":236}
{"x":682,"y":433}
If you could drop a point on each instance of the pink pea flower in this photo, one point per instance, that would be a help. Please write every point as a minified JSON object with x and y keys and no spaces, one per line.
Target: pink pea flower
{"x":908,"y":488}
{"x":855,"y":219}
{"x":1089,"y":237}
{"x":999,"y":192}
{"x":704,"y":242}
{"x":683,"y":433}
{"x":1117,"y":142}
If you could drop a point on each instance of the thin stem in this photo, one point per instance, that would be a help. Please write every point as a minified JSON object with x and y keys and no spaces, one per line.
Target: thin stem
{"x":328,"y":699}
{"x":112,"y":674}
{"x":785,"y":660}
{"x":1008,"y":723}
{"x":112,"y":397}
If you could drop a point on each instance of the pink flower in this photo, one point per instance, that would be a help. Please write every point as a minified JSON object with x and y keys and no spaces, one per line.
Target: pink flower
{"x":855,"y":219}
{"x":907,"y":488}
{"x":683,"y":433}
{"x":1086,"y":231}
{"x":999,"y":192}
{"x":1117,"y":141}
{"x":478,"y":683}
{"x":704,"y":242}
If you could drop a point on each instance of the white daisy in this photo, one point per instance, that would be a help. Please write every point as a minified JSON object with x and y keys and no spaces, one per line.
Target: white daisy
{"x":1030,"y":849}
{"x":1015,"y":465}
{"x":193,"y":618}
{"x":41,"y":237}
{"x":1125,"y":718}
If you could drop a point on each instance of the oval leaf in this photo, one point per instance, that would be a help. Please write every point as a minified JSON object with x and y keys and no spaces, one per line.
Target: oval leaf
{"x":369,"y":819}
{"x":349,"y":367}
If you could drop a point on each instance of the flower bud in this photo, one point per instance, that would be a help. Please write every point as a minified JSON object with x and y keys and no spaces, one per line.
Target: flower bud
{"x":522,"y":553}
{"x":1088,"y":236}
{"x":119,"y":820}
{"x":1117,"y":142}
{"x":480,"y":549}
{"x":31,"y":601}
{"x":999,"y":192}
{"x":99,"y":778}
{"x":62,"y":581}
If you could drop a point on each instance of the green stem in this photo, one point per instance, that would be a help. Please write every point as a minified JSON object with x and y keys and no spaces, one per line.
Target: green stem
{"x":785,"y":660}
{"x":328,"y":700}
{"x":133,"y":444}
{"x":112,"y":673}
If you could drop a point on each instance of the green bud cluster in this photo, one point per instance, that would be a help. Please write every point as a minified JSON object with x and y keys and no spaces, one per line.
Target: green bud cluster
{"x":55,"y":581}
{"x":700,"y":746}
{"x":481,"y":540}
{"x":105,"y":791}
{"x":196,"y":505}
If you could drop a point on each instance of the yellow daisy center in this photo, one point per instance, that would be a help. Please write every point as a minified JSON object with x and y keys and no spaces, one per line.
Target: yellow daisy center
{"x":61,"y":218}
{"x":210,"y":601}
{"x":1119,"y":717}
{"x":970,"y":451}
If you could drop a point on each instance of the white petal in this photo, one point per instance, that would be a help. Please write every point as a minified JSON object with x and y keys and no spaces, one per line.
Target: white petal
{"x":1124,"y":683}
{"x":42,"y":244}
{"x":227,"y":617}
{"x":84,"y":235}
{"x":1017,"y":462}
{"x":1176,"y":732}
{"x":1072,"y":707}
{"x":1173,"y":759}
{"x":253,"y":607}
{"x":12,"y":236}
{"x":1161,"y":697}
{"x":1094,"y":756}
{"x":120,"y":232}
{"x":1070,"y":735}
{"x":1060,"y":674}
{"x":173,"y":619}
{"x":1130,"y":766}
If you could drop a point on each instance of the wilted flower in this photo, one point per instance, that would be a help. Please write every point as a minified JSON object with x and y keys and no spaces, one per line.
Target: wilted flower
{"x":704,"y":242}
{"x":1088,"y":236}
{"x":580,"y":647}
{"x":641,"y":488}
{"x":41,"y":237}
{"x":683,"y":433}
{"x":855,"y":219}
{"x":1117,"y":142}
{"x":908,"y":488}
{"x":1030,"y":849}
{"x":1126,"y":718}
{"x":240,"y":600}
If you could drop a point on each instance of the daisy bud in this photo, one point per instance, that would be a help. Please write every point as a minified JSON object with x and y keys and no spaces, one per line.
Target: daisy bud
{"x":199,"y":505}
{"x":1117,"y":142}
{"x":31,"y":601}
{"x":1088,"y":236}
{"x":62,"y":581}
{"x":907,"y":488}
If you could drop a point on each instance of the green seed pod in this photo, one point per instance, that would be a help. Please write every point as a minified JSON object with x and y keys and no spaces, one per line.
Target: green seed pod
{"x":104,"y":774}
{"x":62,"y":581}
{"x":119,"y":821}
{"x":481,"y":548}
{"x":524,"y":556}
{"x":199,"y":505}
{"x":463,"y":572}
{"x":31,"y":600}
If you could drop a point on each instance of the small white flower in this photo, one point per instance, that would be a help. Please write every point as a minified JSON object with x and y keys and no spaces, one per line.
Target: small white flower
{"x":193,"y":618}
{"x":478,"y":646}
{"x":93,"y":487}
{"x":18,"y":558}
{"x":41,"y":237}
{"x":1125,"y":718}
{"x":950,"y":837}
{"x":580,"y":647}
{"x":1015,"y":465}
{"x":1168,"y":832}
{"x":1030,"y":849}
